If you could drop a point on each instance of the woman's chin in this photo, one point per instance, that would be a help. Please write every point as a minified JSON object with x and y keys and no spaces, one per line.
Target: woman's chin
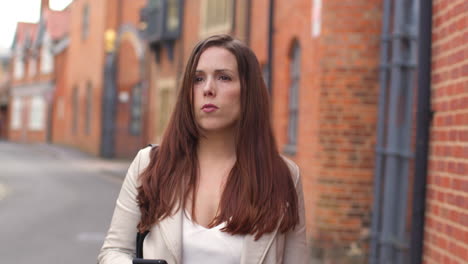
{"x":216,"y":128}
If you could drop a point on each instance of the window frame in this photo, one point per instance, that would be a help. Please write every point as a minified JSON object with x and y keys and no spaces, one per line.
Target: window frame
{"x":37,"y":113}
{"x":136,"y":120}
{"x":167,"y":88}
{"x":88,"y":109}
{"x":85,"y":16}
{"x":17,"y":113}
{"x":19,"y":65}
{"x":47,"y":58}
{"x":207,"y":27}
{"x":75,"y":108}
{"x":293,"y":99}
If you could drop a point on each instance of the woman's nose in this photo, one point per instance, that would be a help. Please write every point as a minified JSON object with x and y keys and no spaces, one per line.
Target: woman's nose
{"x":209,"y":88}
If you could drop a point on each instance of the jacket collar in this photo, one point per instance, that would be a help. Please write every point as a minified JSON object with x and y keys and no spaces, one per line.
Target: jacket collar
{"x":253,"y":252}
{"x":171,"y":231}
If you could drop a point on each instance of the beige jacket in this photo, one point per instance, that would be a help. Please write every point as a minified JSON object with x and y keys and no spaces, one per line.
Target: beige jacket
{"x":164,"y":240}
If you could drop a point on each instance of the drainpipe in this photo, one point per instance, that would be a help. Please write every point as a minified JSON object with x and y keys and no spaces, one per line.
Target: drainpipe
{"x":249,"y":22}
{"x":270,"y":47}
{"x":110,"y":92}
{"x":424,"y":118}
{"x":378,"y":175}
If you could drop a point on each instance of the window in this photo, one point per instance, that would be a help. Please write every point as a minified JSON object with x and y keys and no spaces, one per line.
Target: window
{"x":88,"y":110}
{"x":60,"y":113}
{"x":295,"y":74}
{"x":75,"y":110}
{"x":266,"y":75}
{"x":32,"y":67}
{"x":217,"y":16}
{"x":47,"y":59}
{"x":16,"y":113}
{"x":37,"y":113}
{"x":85,"y":22}
{"x":19,"y":66}
{"x":136,"y":111}
{"x":164,"y":110}
{"x":172,"y":23}
{"x":166,"y":90}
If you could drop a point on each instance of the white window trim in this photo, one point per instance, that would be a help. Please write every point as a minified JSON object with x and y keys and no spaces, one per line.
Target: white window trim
{"x":47,"y":57}
{"x":32,"y":67}
{"x":165,"y":86}
{"x":37,"y":113}
{"x":17,"y":113}
{"x":19,"y":66}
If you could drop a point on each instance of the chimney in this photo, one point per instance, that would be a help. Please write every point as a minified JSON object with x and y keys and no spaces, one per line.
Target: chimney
{"x":44,"y":5}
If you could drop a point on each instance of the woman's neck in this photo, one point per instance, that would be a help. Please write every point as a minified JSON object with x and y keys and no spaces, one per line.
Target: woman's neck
{"x":217,"y":147}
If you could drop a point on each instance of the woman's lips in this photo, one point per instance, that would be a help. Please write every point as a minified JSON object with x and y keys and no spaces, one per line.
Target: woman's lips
{"x":208,"y":108}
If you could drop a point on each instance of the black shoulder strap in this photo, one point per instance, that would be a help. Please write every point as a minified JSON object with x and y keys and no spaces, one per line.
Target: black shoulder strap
{"x":139,"y":243}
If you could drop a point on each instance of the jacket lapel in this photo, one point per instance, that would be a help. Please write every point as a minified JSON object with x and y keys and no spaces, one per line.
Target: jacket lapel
{"x":253,"y":252}
{"x":171,"y":231}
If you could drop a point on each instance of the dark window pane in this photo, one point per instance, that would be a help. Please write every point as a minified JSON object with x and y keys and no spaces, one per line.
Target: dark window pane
{"x":295,"y":74}
{"x":135,"y":111}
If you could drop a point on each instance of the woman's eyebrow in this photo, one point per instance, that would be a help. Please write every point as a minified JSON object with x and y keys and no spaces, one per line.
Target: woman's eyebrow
{"x":224,"y":70}
{"x":217,"y":70}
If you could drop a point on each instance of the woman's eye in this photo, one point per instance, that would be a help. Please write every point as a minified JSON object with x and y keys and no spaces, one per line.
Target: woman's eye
{"x":198,"y":79}
{"x":225,"y":78}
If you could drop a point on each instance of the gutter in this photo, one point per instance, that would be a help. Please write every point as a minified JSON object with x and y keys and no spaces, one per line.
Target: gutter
{"x":423,"y":119}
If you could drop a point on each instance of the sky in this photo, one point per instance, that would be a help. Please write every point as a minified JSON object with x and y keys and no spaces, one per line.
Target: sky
{"x":13,"y":11}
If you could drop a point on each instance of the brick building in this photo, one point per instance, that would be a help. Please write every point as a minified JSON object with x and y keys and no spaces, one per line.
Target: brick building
{"x":58,"y":111}
{"x":342,"y":76}
{"x":446,"y":228}
{"x":104,"y":88}
{"x":345,"y":101}
{"x":33,"y":79}
{"x":4,"y":93}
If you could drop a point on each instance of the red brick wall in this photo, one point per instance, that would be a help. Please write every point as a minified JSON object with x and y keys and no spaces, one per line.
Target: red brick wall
{"x":337,"y":107}
{"x":85,"y":63}
{"x":60,"y":117}
{"x":24,"y":134}
{"x":4,"y":123}
{"x":337,"y":116}
{"x":129,"y":74}
{"x":289,"y":29}
{"x":349,"y":50}
{"x":127,"y":144}
{"x":446,"y":229}
{"x":259,"y":30}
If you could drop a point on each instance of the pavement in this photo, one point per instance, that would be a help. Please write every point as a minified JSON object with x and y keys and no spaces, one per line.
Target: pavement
{"x":56,"y":203}
{"x":111,"y":167}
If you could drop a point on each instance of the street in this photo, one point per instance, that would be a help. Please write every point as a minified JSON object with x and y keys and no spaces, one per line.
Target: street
{"x":55,"y":204}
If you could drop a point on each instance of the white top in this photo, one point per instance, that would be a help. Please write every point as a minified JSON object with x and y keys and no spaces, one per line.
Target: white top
{"x":209,"y":246}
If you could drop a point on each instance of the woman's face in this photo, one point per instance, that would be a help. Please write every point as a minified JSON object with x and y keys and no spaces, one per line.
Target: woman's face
{"x":216,"y":90}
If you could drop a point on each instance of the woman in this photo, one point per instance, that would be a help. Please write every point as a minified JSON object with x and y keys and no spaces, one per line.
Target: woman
{"x":216,"y":190}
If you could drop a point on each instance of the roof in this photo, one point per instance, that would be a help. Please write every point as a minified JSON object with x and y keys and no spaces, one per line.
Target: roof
{"x":57,"y":23}
{"x":26,"y":33}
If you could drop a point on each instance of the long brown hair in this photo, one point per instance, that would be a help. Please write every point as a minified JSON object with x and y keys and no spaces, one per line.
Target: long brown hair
{"x":259,"y":192}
